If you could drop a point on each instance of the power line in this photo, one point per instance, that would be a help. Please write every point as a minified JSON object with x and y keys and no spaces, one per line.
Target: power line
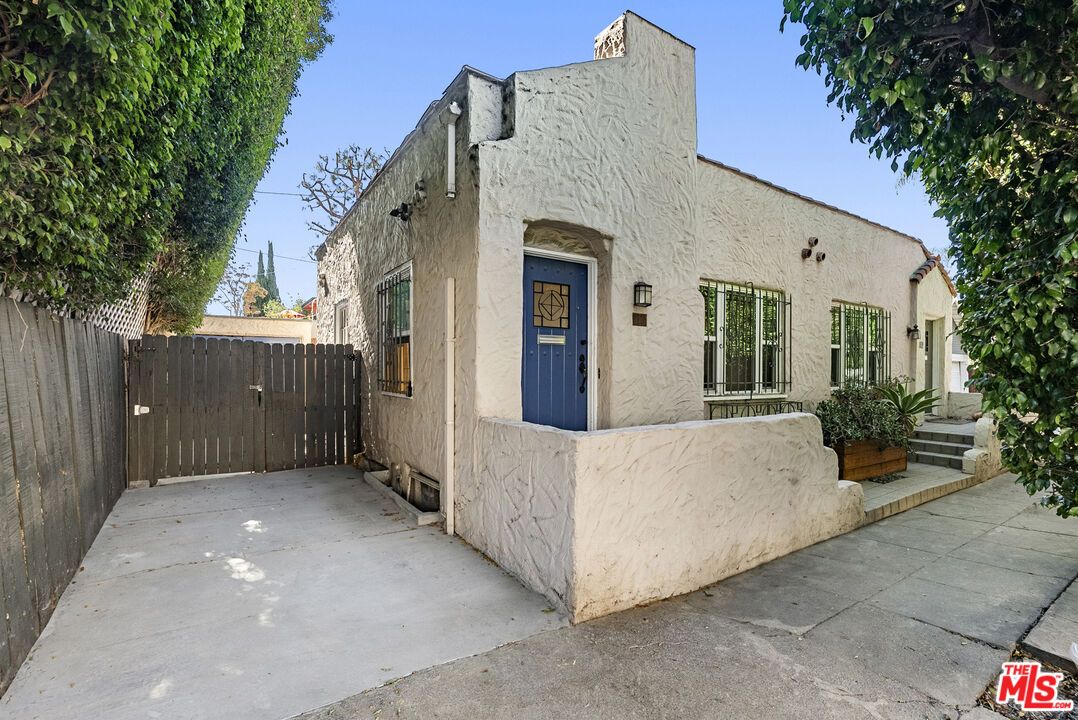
{"x":285,"y":257}
{"x":270,"y":192}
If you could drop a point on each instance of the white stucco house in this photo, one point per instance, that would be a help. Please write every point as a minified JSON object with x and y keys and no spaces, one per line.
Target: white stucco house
{"x":553,"y":294}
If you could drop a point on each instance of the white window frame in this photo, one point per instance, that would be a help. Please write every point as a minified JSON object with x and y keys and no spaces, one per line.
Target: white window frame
{"x":340,"y":329}
{"x":407,"y":266}
{"x":780,"y":387}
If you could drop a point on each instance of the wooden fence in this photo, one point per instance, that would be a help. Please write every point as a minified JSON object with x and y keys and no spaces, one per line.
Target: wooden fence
{"x":62,"y":446}
{"x":204,"y":406}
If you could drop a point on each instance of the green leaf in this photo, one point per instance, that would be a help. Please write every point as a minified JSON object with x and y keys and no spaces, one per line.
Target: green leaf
{"x":868,"y":24}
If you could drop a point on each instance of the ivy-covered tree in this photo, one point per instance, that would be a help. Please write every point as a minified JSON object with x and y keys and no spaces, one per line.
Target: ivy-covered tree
{"x":979,"y":99}
{"x":133,"y":133}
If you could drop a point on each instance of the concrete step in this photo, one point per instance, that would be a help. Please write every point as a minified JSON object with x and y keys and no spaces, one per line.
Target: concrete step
{"x":940,"y":448}
{"x":932,"y":458}
{"x":944,"y":437}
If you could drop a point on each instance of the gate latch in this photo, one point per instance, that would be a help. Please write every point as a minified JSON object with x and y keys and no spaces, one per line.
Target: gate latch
{"x":255,"y":387}
{"x":142,"y":409}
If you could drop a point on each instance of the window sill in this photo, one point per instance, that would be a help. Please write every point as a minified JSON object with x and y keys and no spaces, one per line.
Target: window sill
{"x":755,"y":396}
{"x":397,"y":395}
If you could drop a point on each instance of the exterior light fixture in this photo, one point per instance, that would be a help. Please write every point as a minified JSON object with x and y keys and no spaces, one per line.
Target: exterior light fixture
{"x":913,"y":332}
{"x":641,"y":295}
{"x":806,"y":252}
{"x":403,"y":211}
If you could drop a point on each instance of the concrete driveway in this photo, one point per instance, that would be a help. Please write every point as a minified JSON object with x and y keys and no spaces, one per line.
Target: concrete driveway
{"x":906,"y":619}
{"x":261,"y":597}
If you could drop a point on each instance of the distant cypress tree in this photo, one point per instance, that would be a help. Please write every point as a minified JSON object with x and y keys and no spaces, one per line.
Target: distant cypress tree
{"x":260,"y":278}
{"x":271,"y":278}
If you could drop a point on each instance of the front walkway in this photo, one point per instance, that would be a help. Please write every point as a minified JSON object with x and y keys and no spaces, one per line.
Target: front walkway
{"x":260,"y":597}
{"x":910,"y":617}
{"x":914,"y":486}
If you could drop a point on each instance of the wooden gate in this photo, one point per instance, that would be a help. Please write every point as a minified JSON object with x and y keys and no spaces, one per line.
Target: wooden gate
{"x":203,"y":406}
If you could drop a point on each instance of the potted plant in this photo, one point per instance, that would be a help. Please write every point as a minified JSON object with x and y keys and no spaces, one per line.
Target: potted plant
{"x":866,"y":431}
{"x":909,"y":405}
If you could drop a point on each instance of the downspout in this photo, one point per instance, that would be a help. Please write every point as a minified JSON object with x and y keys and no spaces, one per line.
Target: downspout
{"x":450,"y":406}
{"x":452,"y":114}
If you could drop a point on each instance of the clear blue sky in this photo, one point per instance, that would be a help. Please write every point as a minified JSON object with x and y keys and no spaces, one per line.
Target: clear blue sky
{"x":755,"y":110}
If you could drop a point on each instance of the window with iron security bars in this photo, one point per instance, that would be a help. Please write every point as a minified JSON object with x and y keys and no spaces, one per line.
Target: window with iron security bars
{"x":747,"y":345}
{"x":395,"y":322}
{"x":860,"y":345}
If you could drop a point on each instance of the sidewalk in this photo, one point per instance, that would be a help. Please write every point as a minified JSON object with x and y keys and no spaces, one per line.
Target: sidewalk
{"x":908,"y":618}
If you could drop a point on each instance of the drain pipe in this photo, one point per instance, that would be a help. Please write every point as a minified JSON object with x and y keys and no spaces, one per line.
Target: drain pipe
{"x":450,"y":404}
{"x":452,"y":114}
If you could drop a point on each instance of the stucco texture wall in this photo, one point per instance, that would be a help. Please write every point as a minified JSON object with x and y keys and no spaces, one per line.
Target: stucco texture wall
{"x":964,"y":405}
{"x":751,"y":232}
{"x":439,"y":241}
{"x":607,"y":147}
{"x":934,"y":302}
{"x":605,"y":520}
{"x":293,"y":329}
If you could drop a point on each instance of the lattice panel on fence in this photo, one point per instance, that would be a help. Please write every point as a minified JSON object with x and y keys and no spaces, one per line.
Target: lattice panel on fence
{"x":125,"y":317}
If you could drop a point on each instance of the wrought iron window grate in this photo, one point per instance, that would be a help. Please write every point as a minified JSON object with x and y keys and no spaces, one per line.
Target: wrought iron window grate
{"x":747,"y":341}
{"x":860,"y":345}
{"x":395,"y":321}
{"x":725,"y":410}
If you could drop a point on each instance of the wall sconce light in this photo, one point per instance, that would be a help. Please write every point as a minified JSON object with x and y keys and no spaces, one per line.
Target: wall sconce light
{"x":641,"y":295}
{"x":403,"y":211}
{"x":913,"y":332}
{"x":323,"y":284}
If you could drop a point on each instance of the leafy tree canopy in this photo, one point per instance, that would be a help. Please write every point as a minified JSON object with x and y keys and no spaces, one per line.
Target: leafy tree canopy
{"x":980,"y":100}
{"x":133,"y":132}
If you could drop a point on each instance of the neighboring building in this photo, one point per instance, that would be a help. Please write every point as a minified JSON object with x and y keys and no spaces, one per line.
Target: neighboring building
{"x":310,"y":307}
{"x":604,"y":275}
{"x":959,"y":359}
{"x":263,"y":329}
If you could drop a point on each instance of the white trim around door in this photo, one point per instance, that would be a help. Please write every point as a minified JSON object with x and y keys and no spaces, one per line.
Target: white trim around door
{"x":593,"y":327}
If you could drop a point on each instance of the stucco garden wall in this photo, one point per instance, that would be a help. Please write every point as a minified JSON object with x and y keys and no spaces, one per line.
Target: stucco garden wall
{"x":964,"y":405}
{"x":293,"y":329}
{"x":604,"y":520}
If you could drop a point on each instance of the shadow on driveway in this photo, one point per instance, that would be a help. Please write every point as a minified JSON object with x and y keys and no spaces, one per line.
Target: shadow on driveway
{"x":262,"y":596}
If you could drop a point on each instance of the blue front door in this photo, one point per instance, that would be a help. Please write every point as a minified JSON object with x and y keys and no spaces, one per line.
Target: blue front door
{"x":555,"y":367}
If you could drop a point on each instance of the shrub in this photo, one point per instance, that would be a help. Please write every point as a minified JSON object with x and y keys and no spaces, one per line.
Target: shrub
{"x":855,"y":413}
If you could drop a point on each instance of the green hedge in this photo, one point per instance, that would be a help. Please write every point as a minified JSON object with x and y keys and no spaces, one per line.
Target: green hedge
{"x":136,"y":130}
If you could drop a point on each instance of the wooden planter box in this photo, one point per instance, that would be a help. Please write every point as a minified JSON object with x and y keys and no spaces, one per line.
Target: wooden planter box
{"x":864,"y":460}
